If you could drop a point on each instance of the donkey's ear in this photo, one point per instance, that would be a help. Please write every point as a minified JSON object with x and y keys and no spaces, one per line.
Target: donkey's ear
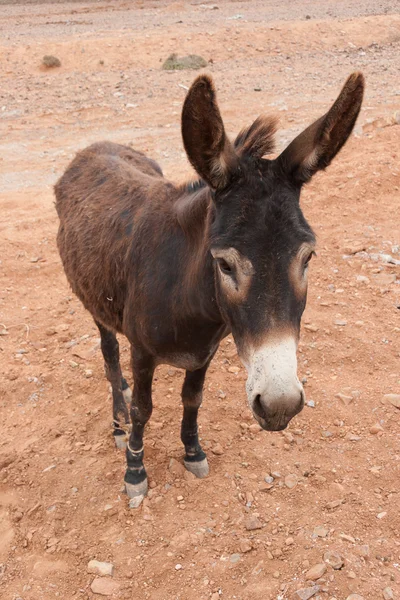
{"x":314,"y":149}
{"x":206,"y":144}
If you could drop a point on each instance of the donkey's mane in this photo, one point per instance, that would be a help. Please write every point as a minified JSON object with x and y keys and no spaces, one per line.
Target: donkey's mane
{"x":258,"y":139}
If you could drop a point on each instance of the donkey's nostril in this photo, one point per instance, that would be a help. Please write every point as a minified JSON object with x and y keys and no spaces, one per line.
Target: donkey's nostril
{"x":257,"y":407}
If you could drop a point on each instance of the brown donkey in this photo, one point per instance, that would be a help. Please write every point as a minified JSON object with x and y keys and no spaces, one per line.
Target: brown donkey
{"x":177,"y":268}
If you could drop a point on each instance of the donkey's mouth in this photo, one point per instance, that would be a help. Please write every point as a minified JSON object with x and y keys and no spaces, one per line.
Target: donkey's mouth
{"x":277,"y":421}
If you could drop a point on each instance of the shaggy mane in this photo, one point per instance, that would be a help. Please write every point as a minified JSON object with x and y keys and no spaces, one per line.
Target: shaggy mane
{"x":258,"y":139}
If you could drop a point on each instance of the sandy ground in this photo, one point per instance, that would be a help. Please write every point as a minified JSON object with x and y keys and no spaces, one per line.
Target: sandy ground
{"x":335,"y":471}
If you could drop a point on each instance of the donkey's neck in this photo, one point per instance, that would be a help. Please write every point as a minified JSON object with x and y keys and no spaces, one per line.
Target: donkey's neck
{"x":193,"y":212}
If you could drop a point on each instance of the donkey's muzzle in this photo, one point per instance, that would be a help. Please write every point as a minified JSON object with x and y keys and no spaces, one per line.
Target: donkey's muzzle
{"x":275,"y":394}
{"x":277,"y":417}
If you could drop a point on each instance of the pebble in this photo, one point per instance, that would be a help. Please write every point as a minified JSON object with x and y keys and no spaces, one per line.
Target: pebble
{"x":307,"y":593}
{"x":136,"y":501}
{"x":268,"y":479}
{"x":377,"y":428}
{"x":311,"y":403}
{"x":344,"y":398}
{"x":381,"y":515}
{"x":245,"y":545}
{"x":104,"y":587}
{"x":320,"y":531}
{"x":100,"y":568}
{"x":234,"y":558}
{"x":291,"y":481}
{"x":388,"y":593}
{"x":333,"y":559}
{"x":289,"y":541}
{"x":355,"y":597}
{"x":178,"y":567}
{"x":393,"y":399}
{"x":217,"y":449}
{"x":316,"y":572}
{"x":253,"y":523}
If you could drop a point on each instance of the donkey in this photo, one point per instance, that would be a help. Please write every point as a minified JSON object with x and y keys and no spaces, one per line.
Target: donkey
{"x":176,"y":268}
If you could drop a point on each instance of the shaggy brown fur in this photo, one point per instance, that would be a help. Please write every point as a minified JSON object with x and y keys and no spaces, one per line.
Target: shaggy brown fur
{"x":149,"y":259}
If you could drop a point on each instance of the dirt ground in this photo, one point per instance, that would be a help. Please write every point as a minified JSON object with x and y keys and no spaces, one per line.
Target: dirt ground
{"x":333,"y":475}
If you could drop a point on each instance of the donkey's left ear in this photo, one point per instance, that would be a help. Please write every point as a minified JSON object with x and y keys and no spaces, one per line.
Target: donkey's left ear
{"x":315,"y":148}
{"x":206,"y":143}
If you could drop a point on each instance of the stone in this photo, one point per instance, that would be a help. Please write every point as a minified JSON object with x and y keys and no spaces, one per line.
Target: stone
{"x":333,"y":559}
{"x":377,"y":428}
{"x":100,"y":568}
{"x":192,"y":61}
{"x":307,"y":593}
{"x":393,"y":399}
{"x":381,"y":515}
{"x":50,"y":62}
{"x":354,"y":247}
{"x":291,"y":481}
{"x":388,"y":593}
{"x":234,"y":558}
{"x":316,"y":572}
{"x":355,"y":597}
{"x":344,"y":398}
{"x":253,"y":523}
{"x":136,"y":501}
{"x":217,"y":449}
{"x":289,"y":541}
{"x":104,"y":587}
{"x":320,"y":531}
{"x":245,"y":545}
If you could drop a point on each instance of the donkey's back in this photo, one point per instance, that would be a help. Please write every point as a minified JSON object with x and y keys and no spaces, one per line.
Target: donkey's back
{"x":100,"y":200}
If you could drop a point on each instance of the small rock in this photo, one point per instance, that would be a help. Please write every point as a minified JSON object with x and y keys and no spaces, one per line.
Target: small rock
{"x":178,"y":567}
{"x":340,"y":322}
{"x":354,"y":247}
{"x":381,"y":515}
{"x":136,"y":501}
{"x":291,"y":481}
{"x":50,"y":62}
{"x":289,"y":541}
{"x":245,"y":545}
{"x":311,"y":327}
{"x":311,"y":403}
{"x":307,"y":593}
{"x":192,"y":61}
{"x":104,"y":587}
{"x":316,"y":572}
{"x":363,"y":551}
{"x":344,"y":398}
{"x":217,"y":449}
{"x":393,"y":399}
{"x":355,"y":597}
{"x":333,"y":559}
{"x":347,"y":538}
{"x":320,"y":531}
{"x":100,"y":568}
{"x":253,"y":523}
{"x":268,"y":479}
{"x":388,"y":593}
{"x":234,"y":558}
{"x":377,"y":428}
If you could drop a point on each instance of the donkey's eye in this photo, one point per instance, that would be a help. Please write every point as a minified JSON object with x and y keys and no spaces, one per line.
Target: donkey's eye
{"x":224,"y":266}
{"x":307,"y":261}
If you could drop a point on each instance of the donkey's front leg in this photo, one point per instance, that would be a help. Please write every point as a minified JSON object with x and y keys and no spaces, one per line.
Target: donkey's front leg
{"x":141,"y":408}
{"x":192,"y":394}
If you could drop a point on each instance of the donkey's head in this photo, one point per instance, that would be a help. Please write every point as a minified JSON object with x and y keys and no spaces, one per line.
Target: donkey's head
{"x":259,"y":239}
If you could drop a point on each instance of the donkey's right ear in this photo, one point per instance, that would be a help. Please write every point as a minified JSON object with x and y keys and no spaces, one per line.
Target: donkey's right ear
{"x":206,"y":144}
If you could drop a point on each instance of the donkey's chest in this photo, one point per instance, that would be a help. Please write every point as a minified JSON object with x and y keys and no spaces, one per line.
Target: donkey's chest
{"x":190,"y":347}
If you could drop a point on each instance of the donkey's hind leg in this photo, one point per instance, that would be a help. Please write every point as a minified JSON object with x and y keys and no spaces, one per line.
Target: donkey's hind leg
{"x":192,"y":394}
{"x":120,"y":389}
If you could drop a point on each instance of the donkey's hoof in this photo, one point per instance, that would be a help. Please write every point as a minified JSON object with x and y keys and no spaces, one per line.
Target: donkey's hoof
{"x":198,"y":468}
{"x":136,"y":492}
{"x":120,"y":441}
